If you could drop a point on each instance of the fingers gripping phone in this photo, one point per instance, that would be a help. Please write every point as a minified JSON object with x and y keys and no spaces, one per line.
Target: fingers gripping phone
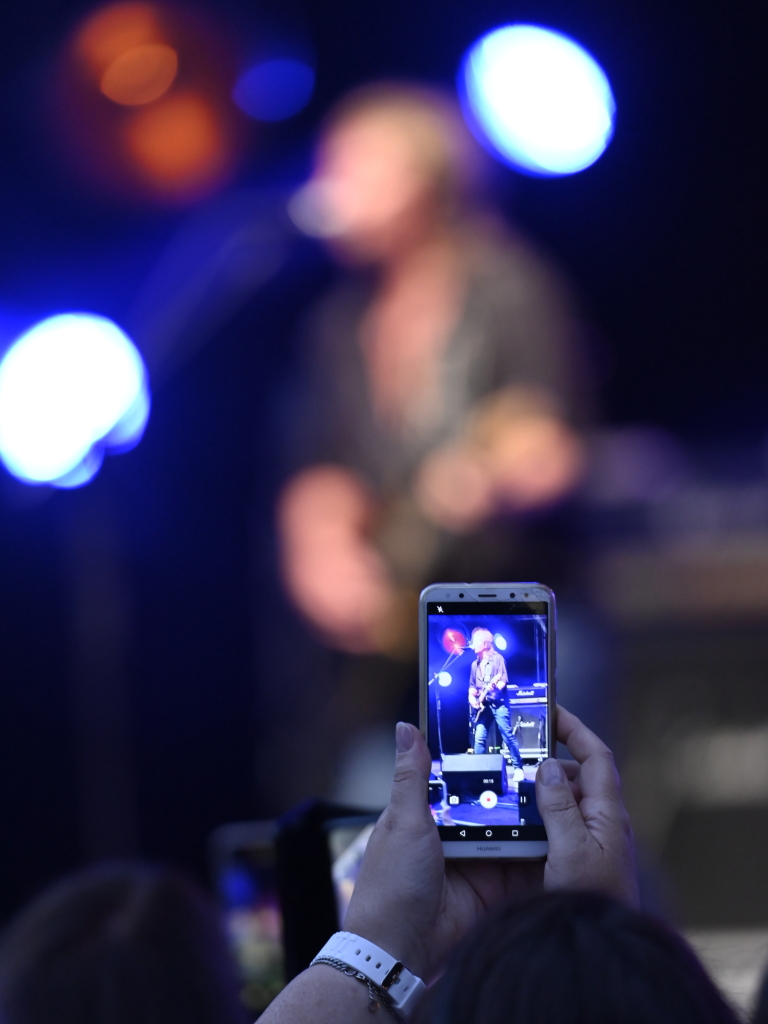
{"x":487,"y":702}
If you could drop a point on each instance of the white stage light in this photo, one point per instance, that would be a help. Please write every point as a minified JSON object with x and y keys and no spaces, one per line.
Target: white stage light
{"x":69,"y":387}
{"x":500,"y":642}
{"x":444,"y":678}
{"x":540,"y":100}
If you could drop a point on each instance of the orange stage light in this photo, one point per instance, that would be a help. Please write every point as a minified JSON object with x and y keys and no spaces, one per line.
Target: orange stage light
{"x":114,"y":31}
{"x":142,"y":101}
{"x":177,"y":144}
{"x":140,"y":75}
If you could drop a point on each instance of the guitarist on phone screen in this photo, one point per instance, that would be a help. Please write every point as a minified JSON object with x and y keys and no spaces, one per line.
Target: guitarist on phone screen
{"x":488,"y":698}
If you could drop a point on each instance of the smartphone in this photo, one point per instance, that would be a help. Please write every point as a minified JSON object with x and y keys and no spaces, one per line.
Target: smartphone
{"x":244,"y":867}
{"x":347,"y":840}
{"x":487,"y":703}
{"x":284,"y":887}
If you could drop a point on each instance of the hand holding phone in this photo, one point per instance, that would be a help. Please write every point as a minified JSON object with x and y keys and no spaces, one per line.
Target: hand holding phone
{"x":591,"y":845}
{"x":416,"y":906}
{"x":407,"y":900}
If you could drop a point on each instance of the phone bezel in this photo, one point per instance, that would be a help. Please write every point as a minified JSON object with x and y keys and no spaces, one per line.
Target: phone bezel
{"x":521,"y":849}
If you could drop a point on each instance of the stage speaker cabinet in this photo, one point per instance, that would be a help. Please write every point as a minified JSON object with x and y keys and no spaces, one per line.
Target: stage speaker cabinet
{"x":529,"y":729}
{"x":469,"y":775}
{"x":526,"y":795}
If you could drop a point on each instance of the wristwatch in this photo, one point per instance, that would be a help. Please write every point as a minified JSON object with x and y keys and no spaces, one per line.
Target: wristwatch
{"x":403,"y":988}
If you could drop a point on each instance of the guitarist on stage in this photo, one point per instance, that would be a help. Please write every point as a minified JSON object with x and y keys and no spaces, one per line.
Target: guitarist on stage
{"x":442,"y":405}
{"x":488,"y":698}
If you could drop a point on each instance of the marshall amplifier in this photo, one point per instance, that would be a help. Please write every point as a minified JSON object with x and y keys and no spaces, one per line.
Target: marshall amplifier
{"x":529,"y":727}
{"x":469,"y":775}
{"x":534,"y":694}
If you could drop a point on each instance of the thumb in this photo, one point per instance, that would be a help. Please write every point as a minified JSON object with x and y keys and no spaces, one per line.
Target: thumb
{"x":412,"y":767}
{"x":557,"y":806}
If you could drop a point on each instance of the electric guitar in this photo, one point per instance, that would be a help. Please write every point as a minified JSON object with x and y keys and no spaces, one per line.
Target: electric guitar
{"x":483,"y":697}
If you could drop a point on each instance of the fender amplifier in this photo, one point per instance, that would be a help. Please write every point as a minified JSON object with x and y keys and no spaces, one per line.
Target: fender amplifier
{"x":469,"y":775}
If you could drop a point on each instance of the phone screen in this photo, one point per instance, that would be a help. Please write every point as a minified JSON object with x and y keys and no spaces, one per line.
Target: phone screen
{"x":247,"y":884}
{"x":347,"y":840}
{"x":488,"y":729}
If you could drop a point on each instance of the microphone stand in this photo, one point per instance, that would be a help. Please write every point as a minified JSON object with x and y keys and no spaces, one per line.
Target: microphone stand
{"x":453,"y":656}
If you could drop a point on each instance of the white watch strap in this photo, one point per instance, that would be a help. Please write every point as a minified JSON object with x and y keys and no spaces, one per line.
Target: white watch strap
{"x":384,"y":971}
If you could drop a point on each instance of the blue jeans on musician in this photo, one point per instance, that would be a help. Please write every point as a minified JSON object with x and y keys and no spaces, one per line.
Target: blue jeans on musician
{"x":501,"y":713}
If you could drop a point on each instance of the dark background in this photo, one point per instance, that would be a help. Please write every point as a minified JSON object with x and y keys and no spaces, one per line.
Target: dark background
{"x":663,"y":238}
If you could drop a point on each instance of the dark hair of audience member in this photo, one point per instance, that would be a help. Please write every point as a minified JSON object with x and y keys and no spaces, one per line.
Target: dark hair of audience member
{"x":760,"y":1015}
{"x":119,"y":944}
{"x":573,"y":958}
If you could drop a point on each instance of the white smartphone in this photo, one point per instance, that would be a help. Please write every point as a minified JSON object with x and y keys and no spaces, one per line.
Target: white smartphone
{"x":487,"y":707}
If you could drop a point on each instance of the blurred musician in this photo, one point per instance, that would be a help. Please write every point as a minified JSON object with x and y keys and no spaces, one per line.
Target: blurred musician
{"x":443,"y":396}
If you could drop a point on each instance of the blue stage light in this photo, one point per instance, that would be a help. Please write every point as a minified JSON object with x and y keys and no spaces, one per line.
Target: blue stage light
{"x":500,"y":642}
{"x":538,"y":98}
{"x":274,"y":90}
{"x":70,"y":387}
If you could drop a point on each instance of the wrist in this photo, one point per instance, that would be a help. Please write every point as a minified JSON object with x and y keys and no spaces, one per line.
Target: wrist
{"x":393,"y":940}
{"x":388,"y":979}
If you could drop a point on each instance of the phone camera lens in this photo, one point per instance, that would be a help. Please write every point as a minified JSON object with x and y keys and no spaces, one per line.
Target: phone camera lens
{"x":461,"y":595}
{"x":511,"y":595}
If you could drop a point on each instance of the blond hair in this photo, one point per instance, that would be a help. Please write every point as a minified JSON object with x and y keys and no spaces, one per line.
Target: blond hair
{"x":431,"y":122}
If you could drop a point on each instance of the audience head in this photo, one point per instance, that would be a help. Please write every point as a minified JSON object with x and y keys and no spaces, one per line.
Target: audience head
{"x":573,"y":958}
{"x":120,"y":944}
{"x":760,"y":1015}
